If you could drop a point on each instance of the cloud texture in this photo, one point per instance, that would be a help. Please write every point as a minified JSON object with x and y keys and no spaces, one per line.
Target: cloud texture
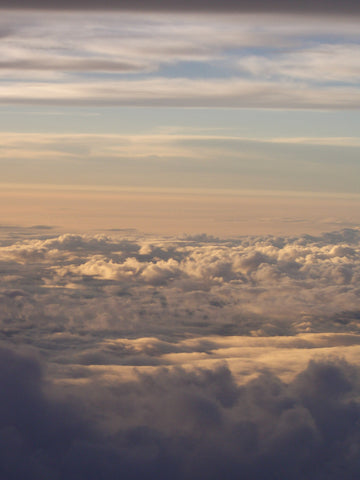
{"x":179,"y":60}
{"x":168,"y":301}
{"x":191,"y":357}
{"x":181,"y":425}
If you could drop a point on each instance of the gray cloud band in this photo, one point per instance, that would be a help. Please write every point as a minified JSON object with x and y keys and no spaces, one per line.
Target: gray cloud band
{"x":275,"y":6}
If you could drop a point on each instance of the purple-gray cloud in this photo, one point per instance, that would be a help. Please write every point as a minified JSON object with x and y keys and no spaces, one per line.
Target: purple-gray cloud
{"x":274,"y":6}
{"x":182,"y":425}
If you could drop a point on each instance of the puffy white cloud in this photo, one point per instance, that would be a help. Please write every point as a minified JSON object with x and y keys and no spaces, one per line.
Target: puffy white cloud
{"x":103,"y":290}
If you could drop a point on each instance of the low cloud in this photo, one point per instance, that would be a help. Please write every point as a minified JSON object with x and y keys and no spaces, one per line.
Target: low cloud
{"x":79,"y":297}
{"x":180,"y":424}
{"x":187,"y":357}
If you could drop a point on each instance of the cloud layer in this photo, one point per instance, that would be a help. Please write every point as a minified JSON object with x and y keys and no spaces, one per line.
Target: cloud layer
{"x":297,"y":6}
{"x":183,"y":161}
{"x":150,"y":301}
{"x":181,"y":425}
{"x":243,"y":61}
{"x":190,"y":357}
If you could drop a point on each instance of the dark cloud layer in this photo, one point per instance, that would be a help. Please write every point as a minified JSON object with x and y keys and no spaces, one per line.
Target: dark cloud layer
{"x":274,"y":6}
{"x":181,"y":425}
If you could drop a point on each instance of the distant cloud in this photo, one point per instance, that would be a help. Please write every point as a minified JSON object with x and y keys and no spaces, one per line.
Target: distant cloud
{"x":181,"y":92}
{"x":322,"y":64}
{"x":76,"y":296}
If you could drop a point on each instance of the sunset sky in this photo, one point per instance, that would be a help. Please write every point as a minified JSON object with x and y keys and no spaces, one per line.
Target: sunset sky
{"x":201,"y":98}
{"x":179,"y":240}
{"x":197,"y":99}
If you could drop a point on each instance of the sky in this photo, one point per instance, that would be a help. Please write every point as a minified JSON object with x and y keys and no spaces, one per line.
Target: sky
{"x":239,"y":98}
{"x":179,"y":240}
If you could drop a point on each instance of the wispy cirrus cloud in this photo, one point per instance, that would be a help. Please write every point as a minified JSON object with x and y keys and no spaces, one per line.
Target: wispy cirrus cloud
{"x":326,"y":63}
{"x":166,"y":145}
{"x":161,"y":92}
{"x":179,"y":61}
{"x":180,"y":159}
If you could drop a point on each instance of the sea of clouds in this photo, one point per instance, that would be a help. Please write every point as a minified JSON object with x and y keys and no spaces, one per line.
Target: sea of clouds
{"x":134,"y":356}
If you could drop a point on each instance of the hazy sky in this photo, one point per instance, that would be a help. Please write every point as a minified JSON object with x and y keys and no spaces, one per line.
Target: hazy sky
{"x":200,"y":100}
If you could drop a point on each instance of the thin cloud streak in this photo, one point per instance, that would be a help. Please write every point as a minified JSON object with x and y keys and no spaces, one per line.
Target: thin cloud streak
{"x":182,"y":92}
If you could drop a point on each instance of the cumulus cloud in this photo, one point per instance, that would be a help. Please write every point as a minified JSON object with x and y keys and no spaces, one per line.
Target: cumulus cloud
{"x":79,"y":297}
{"x":185,"y":357}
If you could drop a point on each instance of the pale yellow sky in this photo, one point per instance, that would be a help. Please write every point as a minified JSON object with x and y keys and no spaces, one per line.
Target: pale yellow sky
{"x":87,"y":209}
